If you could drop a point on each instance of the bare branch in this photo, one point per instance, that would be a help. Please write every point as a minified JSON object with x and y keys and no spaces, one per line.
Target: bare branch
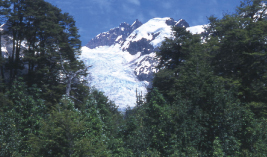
{"x":71,"y":75}
{"x":61,"y":62}
{"x":81,"y":70}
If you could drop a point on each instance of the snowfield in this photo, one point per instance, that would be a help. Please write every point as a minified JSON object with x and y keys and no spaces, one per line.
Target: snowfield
{"x":196,"y":29}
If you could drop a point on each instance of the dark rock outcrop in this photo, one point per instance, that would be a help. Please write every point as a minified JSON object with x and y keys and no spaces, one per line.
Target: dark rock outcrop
{"x":181,"y":23}
{"x":113,"y":36}
{"x":145,"y":69}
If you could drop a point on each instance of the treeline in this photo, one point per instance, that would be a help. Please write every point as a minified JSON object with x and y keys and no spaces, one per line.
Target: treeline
{"x":208,"y":98}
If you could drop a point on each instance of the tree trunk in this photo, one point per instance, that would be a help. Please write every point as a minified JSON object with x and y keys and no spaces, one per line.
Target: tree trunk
{"x":11,"y":59}
{"x":1,"y":62}
{"x":68,"y":87}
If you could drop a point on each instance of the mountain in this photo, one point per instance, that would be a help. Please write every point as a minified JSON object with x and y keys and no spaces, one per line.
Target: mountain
{"x":115,"y":35}
{"x":123,"y":59}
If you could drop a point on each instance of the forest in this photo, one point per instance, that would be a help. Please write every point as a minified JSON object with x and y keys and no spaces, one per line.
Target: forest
{"x":208,"y":96}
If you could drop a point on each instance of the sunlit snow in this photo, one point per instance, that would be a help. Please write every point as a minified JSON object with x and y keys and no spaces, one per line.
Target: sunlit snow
{"x":196,"y":29}
{"x":153,"y":26}
{"x":113,"y":68}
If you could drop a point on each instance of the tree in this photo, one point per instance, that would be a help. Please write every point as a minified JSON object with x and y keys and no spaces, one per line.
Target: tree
{"x":173,"y":52}
{"x":207,"y":114}
{"x":70,"y":76}
{"x":238,"y":47}
{"x":111,"y":118}
{"x":20,"y":117}
{"x":159,"y":122}
{"x":40,"y":34}
{"x":4,"y":10}
{"x":69,"y":132}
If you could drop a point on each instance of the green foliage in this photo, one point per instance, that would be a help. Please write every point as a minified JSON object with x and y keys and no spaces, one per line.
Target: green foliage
{"x":90,"y":131}
{"x":134,"y":132}
{"x":35,"y":121}
{"x":69,"y":132}
{"x":20,"y":117}
{"x":51,"y":38}
{"x":159,"y":122}
{"x":111,"y":119}
{"x":217,"y":148}
{"x":208,"y":98}
{"x":239,"y":50}
{"x":173,"y":53}
{"x":200,"y":110}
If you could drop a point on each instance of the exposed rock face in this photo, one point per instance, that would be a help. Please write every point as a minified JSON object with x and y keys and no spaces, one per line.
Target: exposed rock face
{"x":145,"y":67}
{"x":179,"y":23}
{"x":113,"y":36}
{"x":136,"y":24}
{"x":142,"y":46}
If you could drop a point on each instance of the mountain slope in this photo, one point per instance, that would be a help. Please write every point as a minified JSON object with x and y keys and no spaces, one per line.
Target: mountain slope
{"x":123,"y":65}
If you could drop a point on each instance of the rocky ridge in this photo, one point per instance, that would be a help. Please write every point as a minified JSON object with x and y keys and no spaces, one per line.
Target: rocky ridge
{"x":113,"y":36}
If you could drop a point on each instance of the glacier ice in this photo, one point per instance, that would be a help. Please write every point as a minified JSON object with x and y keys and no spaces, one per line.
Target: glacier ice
{"x":112,"y":74}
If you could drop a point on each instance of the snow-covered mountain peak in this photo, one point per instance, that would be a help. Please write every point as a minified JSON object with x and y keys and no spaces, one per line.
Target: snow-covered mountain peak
{"x":150,"y":29}
{"x":127,"y":62}
{"x":150,"y":35}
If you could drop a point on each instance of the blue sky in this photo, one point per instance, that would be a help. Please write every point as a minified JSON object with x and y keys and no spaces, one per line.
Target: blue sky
{"x":95,"y":16}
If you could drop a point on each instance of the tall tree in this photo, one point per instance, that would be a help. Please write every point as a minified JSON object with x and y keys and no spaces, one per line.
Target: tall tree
{"x":68,"y":132}
{"x":173,"y":52}
{"x":41,"y":33}
{"x":238,"y":46}
{"x":20,"y":117}
{"x":4,"y":9}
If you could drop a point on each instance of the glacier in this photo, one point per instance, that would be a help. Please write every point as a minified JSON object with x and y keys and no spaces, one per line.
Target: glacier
{"x":112,"y":74}
{"x":117,"y":72}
